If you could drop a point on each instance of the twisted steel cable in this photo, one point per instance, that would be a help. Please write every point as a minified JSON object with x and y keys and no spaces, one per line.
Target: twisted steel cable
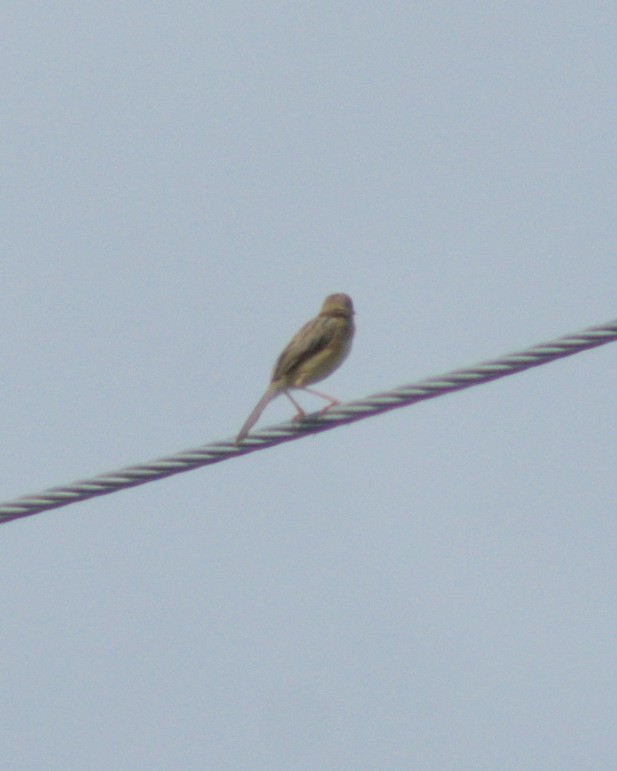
{"x":310,"y":424}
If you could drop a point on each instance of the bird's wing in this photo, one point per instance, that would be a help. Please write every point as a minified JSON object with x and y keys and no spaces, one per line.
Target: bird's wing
{"x":312,"y":338}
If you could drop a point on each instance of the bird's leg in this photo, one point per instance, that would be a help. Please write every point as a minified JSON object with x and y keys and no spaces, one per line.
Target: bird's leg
{"x":332,"y":401}
{"x":301,"y":412}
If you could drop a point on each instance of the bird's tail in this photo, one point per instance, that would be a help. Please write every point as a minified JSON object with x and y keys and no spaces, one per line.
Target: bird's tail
{"x":261,"y":405}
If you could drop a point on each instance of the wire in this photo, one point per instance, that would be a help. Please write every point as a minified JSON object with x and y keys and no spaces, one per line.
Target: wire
{"x":310,"y":424}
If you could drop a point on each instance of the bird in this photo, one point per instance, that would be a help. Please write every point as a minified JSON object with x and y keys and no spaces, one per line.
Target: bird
{"x":314,"y":352}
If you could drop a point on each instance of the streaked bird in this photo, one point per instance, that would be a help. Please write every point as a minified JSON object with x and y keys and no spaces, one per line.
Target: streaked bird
{"x":313,"y":353}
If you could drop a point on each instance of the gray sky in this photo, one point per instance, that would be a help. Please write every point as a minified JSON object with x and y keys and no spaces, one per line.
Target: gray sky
{"x":434,"y":588}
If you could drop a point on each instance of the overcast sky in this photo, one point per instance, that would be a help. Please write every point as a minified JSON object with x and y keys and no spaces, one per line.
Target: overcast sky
{"x":184,"y":183}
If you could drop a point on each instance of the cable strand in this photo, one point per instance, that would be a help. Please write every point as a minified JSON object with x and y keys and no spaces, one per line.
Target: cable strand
{"x":405,"y":395}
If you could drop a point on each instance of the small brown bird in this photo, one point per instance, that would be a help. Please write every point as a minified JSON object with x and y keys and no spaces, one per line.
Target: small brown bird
{"x":313,"y":353}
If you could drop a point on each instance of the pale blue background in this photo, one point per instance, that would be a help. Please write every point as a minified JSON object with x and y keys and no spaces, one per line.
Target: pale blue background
{"x":184,"y":182}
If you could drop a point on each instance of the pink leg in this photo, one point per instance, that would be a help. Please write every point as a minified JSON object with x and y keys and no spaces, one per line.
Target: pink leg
{"x":301,"y":412}
{"x":330,"y":399}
